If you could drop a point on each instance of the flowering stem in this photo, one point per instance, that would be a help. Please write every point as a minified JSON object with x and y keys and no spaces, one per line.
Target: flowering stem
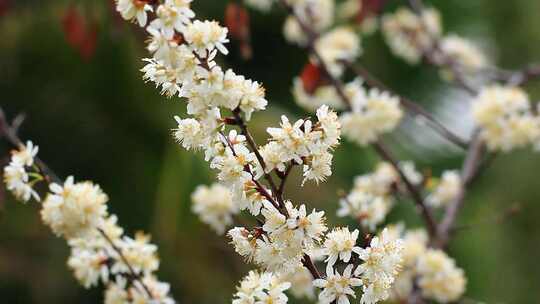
{"x":260,"y":188}
{"x":251,"y":142}
{"x":125,"y":261}
{"x":9,"y":132}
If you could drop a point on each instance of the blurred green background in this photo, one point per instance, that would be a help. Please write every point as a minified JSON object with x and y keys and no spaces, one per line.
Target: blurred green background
{"x":93,"y":117}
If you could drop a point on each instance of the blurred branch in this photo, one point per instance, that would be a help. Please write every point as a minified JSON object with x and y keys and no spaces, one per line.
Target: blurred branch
{"x":408,"y":104}
{"x":469,"y":170}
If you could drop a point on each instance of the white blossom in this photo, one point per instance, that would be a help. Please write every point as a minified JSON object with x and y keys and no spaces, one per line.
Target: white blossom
{"x":173,"y":16}
{"x":17,"y":178}
{"x":74,"y":209}
{"x":340,"y":243}
{"x":504,"y":115}
{"x":134,"y":9}
{"x":337,"y":287}
{"x":462,"y":51}
{"x":341,"y":43}
{"x":409,"y":35}
{"x":372,"y":115}
{"x":214,"y":205}
{"x":205,"y":36}
{"x":440,"y":279}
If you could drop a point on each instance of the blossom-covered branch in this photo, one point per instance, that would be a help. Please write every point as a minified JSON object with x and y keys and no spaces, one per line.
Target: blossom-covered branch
{"x":78,"y":212}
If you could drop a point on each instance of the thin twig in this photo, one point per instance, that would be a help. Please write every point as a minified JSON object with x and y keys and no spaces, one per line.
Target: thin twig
{"x":251,"y":143}
{"x":284,"y":178}
{"x":9,"y":133}
{"x":469,"y":170}
{"x":135,"y":276}
{"x":414,"y":192}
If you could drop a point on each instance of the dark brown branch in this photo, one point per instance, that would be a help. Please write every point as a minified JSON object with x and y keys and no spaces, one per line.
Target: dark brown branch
{"x":9,"y":132}
{"x":135,"y":276}
{"x":413,"y":190}
{"x":308,"y":263}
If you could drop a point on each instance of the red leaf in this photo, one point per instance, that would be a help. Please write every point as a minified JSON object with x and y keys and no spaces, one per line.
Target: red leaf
{"x":78,"y":34}
{"x":369,"y":8}
{"x":237,"y":21}
{"x":311,"y":77}
{"x":4,"y":7}
{"x":74,"y":27}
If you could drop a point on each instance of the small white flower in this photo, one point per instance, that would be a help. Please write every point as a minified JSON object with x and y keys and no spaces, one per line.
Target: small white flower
{"x":337,"y":287}
{"x":243,"y":242}
{"x":89,"y":266}
{"x":139,"y":253}
{"x":172,"y":15}
{"x":462,"y":51}
{"x":134,"y":9}
{"x":340,"y":243}
{"x":205,"y":36}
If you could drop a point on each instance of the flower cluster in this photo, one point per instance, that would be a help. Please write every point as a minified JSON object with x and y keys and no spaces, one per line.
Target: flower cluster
{"x":282,"y":242}
{"x":381,"y":264}
{"x":436,"y":274}
{"x":341,"y":43}
{"x":439,"y":277}
{"x":372,"y":113}
{"x":75,"y":209}
{"x":317,"y":14}
{"x":261,"y":288}
{"x":215,"y":206}
{"x":17,"y":177}
{"x":505,"y":117}
{"x":370,"y":199}
{"x":409,"y":35}
{"x":464,"y":52}
{"x":304,"y":143}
